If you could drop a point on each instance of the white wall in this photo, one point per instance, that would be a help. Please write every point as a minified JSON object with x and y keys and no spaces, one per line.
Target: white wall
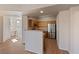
{"x":68,"y":30}
{"x":24,"y":27}
{"x":63,"y":30}
{"x":25,"y":22}
{"x":1,"y":29}
{"x":75,"y":30}
{"x":6,"y":29}
{"x":34,"y":41}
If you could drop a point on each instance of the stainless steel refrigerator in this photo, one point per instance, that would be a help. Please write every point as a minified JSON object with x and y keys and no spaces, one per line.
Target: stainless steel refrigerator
{"x":52,"y":31}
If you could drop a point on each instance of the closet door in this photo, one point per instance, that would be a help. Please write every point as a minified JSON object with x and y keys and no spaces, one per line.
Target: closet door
{"x":63,"y":30}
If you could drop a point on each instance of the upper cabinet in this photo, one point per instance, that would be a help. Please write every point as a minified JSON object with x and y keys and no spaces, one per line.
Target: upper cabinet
{"x":39,"y":24}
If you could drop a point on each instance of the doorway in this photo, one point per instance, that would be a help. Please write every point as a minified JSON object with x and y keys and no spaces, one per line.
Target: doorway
{"x":12,"y":27}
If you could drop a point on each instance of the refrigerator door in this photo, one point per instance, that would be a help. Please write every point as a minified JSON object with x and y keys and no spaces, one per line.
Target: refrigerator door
{"x":51,"y":30}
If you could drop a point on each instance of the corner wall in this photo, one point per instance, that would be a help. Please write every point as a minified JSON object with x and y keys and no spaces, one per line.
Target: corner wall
{"x":68,"y":30}
{"x":74,"y":30}
{"x":1,"y":29}
{"x":24,"y":27}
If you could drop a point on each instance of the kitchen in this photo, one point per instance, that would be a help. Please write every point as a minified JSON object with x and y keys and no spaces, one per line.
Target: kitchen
{"x":46,"y":26}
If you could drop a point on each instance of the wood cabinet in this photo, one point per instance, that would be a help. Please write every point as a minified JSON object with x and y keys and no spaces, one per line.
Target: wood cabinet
{"x":39,"y":25}
{"x":43,"y":25}
{"x":32,"y":24}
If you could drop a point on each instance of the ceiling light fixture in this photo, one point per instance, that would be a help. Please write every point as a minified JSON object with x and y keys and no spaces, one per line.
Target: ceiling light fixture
{"x":41,"y":11}
{"x":18,"y":21}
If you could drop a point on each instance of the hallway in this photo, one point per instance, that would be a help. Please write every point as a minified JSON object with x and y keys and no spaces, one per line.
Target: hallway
{"x":50,"y":46}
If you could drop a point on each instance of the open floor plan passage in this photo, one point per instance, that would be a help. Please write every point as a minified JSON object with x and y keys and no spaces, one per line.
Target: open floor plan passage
{"x":39,"y":28}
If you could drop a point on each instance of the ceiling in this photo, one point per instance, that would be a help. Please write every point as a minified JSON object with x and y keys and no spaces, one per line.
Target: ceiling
{"x":34,"y":9}
{"x":24,"y":8}
{"x":51,"y":10}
